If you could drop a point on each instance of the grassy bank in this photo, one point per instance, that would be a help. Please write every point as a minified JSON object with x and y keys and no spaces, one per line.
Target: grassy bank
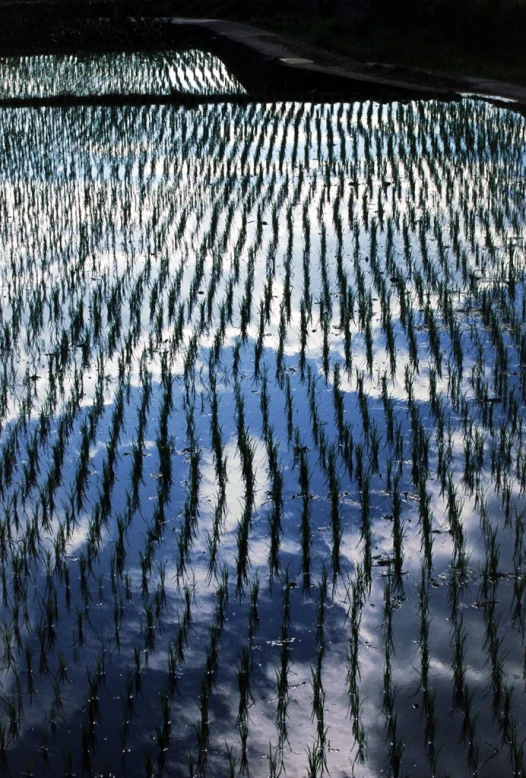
{"x":482,"y":42}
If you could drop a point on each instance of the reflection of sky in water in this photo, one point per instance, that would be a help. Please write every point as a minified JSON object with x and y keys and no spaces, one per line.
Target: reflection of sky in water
{"x":188,"y":72}
{"x":130,"y":237}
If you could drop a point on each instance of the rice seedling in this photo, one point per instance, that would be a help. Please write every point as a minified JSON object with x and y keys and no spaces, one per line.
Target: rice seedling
{"x":12,"y":713}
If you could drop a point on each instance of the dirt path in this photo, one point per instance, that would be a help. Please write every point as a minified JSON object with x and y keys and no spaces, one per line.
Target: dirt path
{"x":299,"y":63}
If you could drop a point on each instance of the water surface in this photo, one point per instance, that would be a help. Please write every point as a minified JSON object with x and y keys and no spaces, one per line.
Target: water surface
{"x":262,"y":471}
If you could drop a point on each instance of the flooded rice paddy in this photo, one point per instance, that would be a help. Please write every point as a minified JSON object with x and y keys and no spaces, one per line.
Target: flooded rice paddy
{"x":262,"y":461}
{"x":189,"y":72}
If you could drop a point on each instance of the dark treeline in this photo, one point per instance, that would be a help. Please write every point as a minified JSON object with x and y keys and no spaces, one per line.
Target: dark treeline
{"x":478,"y":24}
{"x":477,"y":37}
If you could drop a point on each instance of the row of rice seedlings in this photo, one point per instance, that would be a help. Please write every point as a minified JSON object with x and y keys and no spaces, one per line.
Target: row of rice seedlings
{"x":209,"y":678}
{"x":304,"y":479}
{"x":428,"y":694}
{"x":246,"y":449}
{"x":189,"y":525}
{"x":395,"y":745}
{"x":245,"y":701}
{"x":275,"y":475}
{"x":221,"y":475}
{"x":282,"y":675}
{"x":356,"y":593}
{"x":316,"y":755}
